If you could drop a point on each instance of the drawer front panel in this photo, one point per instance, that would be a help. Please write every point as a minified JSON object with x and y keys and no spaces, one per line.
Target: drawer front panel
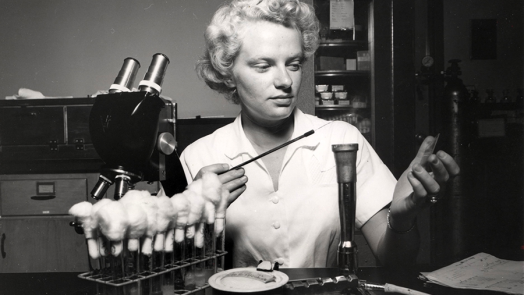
{"x":41,"y":197}
{"x":31,"y":126}
{"x":78,"y":124}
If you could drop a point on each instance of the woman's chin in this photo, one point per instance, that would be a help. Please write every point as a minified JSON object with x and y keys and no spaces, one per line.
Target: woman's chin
{"x":282,"y":113}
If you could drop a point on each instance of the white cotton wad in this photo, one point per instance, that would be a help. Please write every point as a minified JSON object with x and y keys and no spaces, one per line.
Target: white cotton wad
{"x":211,"y":191}
{"x":137,"y":225}
{"x":82,"y":212}
{"x":150,"y":207}
{"x":221,"y":212}
{"x":134,"y":196}
{"x":169,"y":240}
{"x":194,"y":195}
{"x":165,"y":213}
{"x":113,"y":223}
{"x":137,"y":217}
{"x":181,"y":206}
{"x":170,"y":230}
{"x":96,"y":206}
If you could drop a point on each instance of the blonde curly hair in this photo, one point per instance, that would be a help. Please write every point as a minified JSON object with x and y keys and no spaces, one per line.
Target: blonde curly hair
{"x":223,"y":39}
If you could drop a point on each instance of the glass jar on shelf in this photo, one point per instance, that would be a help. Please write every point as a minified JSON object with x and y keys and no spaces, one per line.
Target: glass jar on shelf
{"x":359,"y":101}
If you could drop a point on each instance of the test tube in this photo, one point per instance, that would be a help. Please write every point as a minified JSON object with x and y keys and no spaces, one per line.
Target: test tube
{"x":179,"y":257}
{"x":190,"y":251}
{"x":220,"y":246}
{"x":158,"y":264}
{"x":131,"y":267}
{"x":198,"y":269}
{"x":168,"y":283}
{"x":210,"y":251}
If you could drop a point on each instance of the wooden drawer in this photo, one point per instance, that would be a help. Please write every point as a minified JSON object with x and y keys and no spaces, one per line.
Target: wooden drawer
{"x":41,"y":244}
{"x":42,"y":196}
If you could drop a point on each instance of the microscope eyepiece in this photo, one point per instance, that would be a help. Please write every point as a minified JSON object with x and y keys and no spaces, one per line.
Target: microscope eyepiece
{"x":126,"y":77}
{"x":154,"y":77}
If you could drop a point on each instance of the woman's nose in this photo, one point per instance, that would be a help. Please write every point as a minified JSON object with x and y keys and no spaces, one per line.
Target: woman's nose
{"x":283,"y":79}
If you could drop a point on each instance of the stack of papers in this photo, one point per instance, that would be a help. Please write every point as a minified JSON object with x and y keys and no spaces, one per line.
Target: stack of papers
{"x":481,"y":272}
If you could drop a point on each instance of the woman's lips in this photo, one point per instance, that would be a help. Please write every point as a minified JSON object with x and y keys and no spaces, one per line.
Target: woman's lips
{"x":283,"y":100}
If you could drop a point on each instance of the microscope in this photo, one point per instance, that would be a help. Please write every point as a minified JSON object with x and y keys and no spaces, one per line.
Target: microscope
{"x":134,"y":132}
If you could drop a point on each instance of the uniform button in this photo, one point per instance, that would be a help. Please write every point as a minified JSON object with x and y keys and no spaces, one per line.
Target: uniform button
{"x":275,"y":199}
{"x":276,"y":225}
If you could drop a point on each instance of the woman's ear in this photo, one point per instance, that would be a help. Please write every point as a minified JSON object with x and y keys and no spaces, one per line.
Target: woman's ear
{"x":230,"y":83}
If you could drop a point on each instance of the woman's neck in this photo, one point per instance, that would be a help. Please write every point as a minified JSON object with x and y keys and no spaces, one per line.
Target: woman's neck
{"x":270,"y":135}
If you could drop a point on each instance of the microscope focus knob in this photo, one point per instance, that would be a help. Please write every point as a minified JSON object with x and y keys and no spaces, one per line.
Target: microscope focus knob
{"x":166,"y":143}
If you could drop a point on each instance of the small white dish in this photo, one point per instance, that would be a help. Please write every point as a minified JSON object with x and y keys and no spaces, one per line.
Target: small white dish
{"x":321,"y":87}
{"x":223,"y":281}
{"x":326,"y":95}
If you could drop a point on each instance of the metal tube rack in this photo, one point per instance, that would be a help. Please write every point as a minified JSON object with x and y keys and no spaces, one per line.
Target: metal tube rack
{"x":105,"y":279}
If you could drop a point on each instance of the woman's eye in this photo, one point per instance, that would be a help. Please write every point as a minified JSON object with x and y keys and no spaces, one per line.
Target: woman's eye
{"x":261,"y":67}
{"x":295,"y":67}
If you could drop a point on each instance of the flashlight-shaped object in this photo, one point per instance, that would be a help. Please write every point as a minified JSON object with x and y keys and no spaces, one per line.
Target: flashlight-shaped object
{"x":345,"y":159}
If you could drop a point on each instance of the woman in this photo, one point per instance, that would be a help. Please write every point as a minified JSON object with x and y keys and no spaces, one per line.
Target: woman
{"x":288,"y":211}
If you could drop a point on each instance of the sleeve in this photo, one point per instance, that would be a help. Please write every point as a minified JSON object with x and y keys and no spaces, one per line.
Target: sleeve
{"x":186,"y":158}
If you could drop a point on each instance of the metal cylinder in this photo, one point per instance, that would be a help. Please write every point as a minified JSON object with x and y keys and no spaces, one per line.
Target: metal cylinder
{"x":345,"y":159}
{"x":454,"y":209}
{"x":126,"y":77}
{"x":154,"y":77}
{"x":100,"y":188}
{"x":121,"y":186}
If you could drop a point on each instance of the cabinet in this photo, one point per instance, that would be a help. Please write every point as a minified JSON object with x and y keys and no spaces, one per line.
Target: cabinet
{"x":34,"y":225}
{"x":35,"y":235}
{"x":41,"y":244}
{"x":343,"y":65}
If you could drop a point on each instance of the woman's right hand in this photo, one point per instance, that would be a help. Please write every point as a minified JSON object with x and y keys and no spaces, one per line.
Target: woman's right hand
{"x":233,"y":181}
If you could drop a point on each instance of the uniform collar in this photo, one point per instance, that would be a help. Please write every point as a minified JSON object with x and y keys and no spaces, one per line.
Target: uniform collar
{"x":303,"y":124}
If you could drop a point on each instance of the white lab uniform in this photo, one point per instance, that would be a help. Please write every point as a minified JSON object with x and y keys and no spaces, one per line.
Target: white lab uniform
{"x":297,"y":225}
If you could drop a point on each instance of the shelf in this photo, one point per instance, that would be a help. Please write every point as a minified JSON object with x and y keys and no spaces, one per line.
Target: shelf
{"x":338,"y":108}
{"x":341,"y":73}
{"x":344,"y":43}
{"x":495,"y":106}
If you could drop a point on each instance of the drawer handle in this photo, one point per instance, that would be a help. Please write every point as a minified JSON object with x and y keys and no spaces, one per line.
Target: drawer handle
{"x":2,"y":248}
{"x":42,"y":198}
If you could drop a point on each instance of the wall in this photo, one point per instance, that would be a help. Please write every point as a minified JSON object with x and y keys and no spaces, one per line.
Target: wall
{"x":75,"y":47}
{"x":507,"y":71}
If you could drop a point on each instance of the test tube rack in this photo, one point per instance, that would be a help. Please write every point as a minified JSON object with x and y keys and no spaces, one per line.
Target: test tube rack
{"x":105,"y":279}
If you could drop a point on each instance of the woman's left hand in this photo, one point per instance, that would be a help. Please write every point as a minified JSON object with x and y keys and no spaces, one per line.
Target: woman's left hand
{"x":417,"y":188}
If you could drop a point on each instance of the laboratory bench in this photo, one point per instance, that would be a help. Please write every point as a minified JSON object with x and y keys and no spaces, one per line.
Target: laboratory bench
{"x":68,"y":283}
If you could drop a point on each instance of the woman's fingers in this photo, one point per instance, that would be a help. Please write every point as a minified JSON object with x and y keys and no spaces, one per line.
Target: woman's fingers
{"x":440,"y":173}
{"x":235,"y":194}
{"x":425,"y":187}
{"x":449,"y":163}
{"x":232,"y":180}
{"x":232,"y":175}
{"x":214,"y":168}
{"x":424,"y":151}
{"x":429,"y":184}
